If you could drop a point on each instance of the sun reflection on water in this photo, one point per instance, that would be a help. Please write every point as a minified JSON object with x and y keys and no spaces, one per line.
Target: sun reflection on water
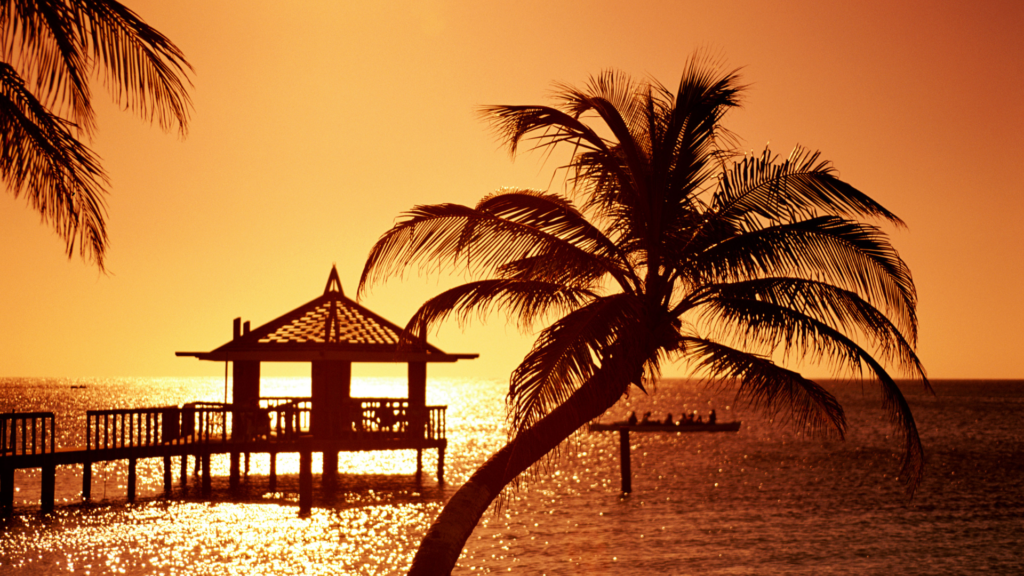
{"x":760,"y":501}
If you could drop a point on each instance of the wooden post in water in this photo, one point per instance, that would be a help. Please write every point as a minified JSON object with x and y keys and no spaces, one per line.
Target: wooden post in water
{"x":273,"y":471}
{"x":305,"y":481}
{"x":329,"y":478}
{"x":49,"y":482}
{"x":440,"y":464}
{"x":234,"y":478}
{"x":6,"y":491}
{"x":86,"y":480}
{"x":627,"y":473}
{"x":207,"y":482}
{"x":131,"y":478}
{"x":184,"y":470}
{"x":167,"y":475}
{"x":419,"y":461}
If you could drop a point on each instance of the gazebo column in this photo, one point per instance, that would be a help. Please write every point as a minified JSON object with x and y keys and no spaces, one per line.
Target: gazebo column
{"x":245,"y":395}
{"x":331,"y":388}
{"x":417,"y":399}
{"x":245,"y":389}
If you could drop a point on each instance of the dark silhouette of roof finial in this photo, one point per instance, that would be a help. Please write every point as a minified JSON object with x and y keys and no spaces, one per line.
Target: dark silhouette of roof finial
{"x":334,"y":281}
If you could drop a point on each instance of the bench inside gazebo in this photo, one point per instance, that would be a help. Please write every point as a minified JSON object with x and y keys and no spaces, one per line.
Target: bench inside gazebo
{"x":330,"y":332}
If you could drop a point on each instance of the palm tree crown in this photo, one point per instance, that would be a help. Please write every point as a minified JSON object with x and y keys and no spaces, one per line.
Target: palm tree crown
{"x":669,"y":246}
{"x":48,"y":50}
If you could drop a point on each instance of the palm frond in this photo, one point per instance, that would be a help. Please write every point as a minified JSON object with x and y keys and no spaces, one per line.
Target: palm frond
{"x":848,"y":254}
{"x":777,"y":392}
{"x":43,"y":39}
{"x":801,"y":186}
{"x":524,"y":302}
{"x":61,"y":178}
{"x":145,"y":70}
{"x":504,"y":228}
{"x":567,"y":354}
{"x":740,"y":305}
{"x":756,"y":322}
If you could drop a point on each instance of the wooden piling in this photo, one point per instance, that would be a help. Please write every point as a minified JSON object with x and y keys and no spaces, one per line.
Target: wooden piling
{"x":6,"y":491}
{"x":440,"y":464}
{"x":167,"y":475}
{"x":419,"y":461}
{"x":49,"y":483}
{"x":627,"y":473}
{"x":131,"y":478}
{"x":184,"y":470}
{"x":305,"y":481}
{"x":273,"y":472}
{"x":86,"y":480}
{"x":234,"y":474}
{"x":329,"y":477}
{"x":207,"y":488}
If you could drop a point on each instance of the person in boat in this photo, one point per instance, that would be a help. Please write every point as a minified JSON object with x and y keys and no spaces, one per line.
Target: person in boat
{"x":698,"y":420}
{"x":646,"y":419}
{"x":632,"y":419}
{"x":712,"y":418}
{"x":668,"y":419}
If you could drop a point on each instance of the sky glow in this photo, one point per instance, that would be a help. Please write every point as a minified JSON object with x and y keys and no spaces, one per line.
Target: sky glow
{"x":315,"y":127}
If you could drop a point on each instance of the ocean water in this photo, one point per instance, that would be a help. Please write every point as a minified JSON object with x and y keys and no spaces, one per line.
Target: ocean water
{"x":764,"y":500}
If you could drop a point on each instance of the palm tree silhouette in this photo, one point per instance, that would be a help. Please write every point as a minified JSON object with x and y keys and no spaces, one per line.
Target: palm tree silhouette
{"x":49,"y":48}
{"x":669,"y":246}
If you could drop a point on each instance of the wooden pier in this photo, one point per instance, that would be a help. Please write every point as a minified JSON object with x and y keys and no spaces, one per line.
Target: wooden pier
{"x":624,"y":428}
{"x":199,"y":430}
{"x":329,"y":333}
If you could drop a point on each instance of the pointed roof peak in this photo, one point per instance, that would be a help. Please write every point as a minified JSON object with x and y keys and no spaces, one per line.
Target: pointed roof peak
{"x":333,"y":282}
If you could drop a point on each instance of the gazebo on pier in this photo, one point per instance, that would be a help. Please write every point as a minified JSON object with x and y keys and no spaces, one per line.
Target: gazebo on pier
{"x":331,"y":332}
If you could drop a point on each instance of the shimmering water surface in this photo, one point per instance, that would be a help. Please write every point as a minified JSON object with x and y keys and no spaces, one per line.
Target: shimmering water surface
{"x":764,"y":500}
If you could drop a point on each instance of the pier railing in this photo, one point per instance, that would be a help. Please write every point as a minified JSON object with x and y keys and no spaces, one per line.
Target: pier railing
{"x":275,"y":419}
{"x":23,"y":433}
{"x":132,"y":427}
{"x":287,"y":417}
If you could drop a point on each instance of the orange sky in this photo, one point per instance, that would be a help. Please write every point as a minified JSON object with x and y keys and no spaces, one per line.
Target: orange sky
{"x":314,"y":127}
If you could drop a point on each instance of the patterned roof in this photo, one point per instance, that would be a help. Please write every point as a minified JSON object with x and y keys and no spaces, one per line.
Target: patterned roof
{"x":331,"y":326}
{"x":349,"y":326}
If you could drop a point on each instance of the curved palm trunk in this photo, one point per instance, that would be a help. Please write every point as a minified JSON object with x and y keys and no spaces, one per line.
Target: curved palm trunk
{"x":443,"y":543}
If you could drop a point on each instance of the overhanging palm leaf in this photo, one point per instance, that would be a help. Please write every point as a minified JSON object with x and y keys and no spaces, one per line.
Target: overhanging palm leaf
{"x":60,"y":42}
{"x":503,"y":229}
{"x":849,"y":254}
{"x":769,"y":324}
{"x":53,"y":46}
{"x":60,"y":177}
{"x":773,"y":390}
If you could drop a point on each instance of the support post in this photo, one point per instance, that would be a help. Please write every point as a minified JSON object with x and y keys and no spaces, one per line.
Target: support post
{"x":49,"y":482}
{"x":86,"y":480}
{"x":273,"y":471}
{"x":131,"y":478}
{"x":6,"y":491}
{"x":207,"y":481}
{"x":247,"y":456}
{"x":235,"y":473}
{"x":184,"y":470}
{"x":305,"y":482}
{"x":627,"y":473}
{"x":167,"y":475}
{"x":329,"y":477}
{"x":419,"y":461}
{"x":417,"y":400}
{"x":440,"y":464}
